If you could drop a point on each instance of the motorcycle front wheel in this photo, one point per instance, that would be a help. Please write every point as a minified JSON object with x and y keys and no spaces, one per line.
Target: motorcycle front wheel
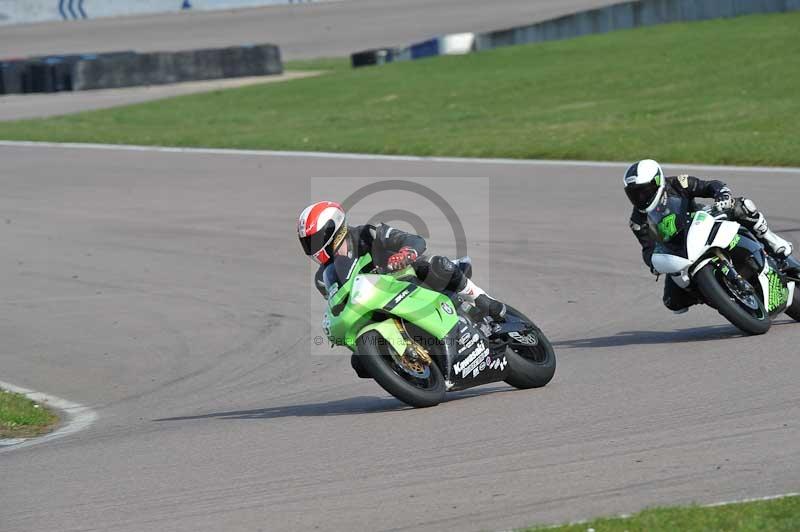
{"x":419,"y":387}
{"x":744,"y":310}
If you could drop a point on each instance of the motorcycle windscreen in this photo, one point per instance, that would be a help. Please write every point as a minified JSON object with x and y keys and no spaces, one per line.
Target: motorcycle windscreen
{"x":669,"y":264}
{"x":668,"y":221}
{"x":339,"y":277}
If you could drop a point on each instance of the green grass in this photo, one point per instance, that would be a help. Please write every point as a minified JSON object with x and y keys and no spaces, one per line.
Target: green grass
{"x":775,"y":516}
{"x":21,"y":418}
{"x":723,"y":91}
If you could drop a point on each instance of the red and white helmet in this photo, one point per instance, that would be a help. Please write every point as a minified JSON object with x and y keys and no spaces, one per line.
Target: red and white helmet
{"x":321,"y":230}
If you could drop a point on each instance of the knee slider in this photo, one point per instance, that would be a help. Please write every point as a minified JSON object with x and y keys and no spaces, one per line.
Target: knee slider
{"x":671,"y":305}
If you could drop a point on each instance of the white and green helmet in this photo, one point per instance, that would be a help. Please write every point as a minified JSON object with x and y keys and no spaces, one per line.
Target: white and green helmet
{"x":644,"y":184}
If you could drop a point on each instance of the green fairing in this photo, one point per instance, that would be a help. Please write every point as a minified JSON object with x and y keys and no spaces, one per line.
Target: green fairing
{"x":667,"y":227}
{"x":364,"y":294}
{"x":734,"y":242}
{"x":778,"y":294}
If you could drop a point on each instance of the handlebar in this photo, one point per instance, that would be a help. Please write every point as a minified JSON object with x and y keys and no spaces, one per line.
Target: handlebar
{"x":408,"y":270}
{"x":716,"y":214}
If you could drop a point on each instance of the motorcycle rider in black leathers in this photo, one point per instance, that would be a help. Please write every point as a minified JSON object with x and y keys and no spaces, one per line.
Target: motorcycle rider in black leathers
{"x":323,"y":232}
{"x":645,"y":184}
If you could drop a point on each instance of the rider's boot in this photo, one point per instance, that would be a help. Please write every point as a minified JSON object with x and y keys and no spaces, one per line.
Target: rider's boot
{"x":474,"y":294}
{"x":758,"y":224}
{"x":780,"y":246}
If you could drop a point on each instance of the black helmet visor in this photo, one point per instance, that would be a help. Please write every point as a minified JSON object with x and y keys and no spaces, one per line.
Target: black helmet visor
{"x":642,"y":195}
{"x":313,"y":243}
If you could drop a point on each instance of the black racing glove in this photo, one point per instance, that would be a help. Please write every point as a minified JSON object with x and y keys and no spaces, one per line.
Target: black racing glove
{"x":724,"y":201}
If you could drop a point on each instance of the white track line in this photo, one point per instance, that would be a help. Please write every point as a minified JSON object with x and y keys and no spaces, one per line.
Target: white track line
{"x":370,"y":157}
{"x":712,"y":505}
{"x":78,"y":417}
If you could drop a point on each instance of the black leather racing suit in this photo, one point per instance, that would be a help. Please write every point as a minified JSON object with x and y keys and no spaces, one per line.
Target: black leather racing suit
{"x":382,"y":241}
{"x":675,"y":298}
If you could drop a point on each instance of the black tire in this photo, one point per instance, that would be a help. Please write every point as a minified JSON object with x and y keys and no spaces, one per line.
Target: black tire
{"x":530,"y":366}
{"x":793,"y":311}
{"x":374,"y":355}
{"x":719,"y":298}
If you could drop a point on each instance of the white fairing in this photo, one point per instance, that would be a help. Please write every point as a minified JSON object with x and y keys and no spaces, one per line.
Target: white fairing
{"x":764,"y":282}
{"x":664,"y":263}
{"x":701,"y":230}
{"x":680,"y":268}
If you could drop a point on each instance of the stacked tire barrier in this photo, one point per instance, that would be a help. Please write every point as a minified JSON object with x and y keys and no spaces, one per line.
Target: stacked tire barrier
{"x":130,"y":69}
{"x":622,"y":16}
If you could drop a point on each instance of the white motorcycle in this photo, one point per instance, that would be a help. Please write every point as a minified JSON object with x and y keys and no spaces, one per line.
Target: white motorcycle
{"x":723,"y":264}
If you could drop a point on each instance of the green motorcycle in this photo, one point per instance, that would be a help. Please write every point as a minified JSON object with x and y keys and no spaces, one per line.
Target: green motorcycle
{"x":418,"y":343}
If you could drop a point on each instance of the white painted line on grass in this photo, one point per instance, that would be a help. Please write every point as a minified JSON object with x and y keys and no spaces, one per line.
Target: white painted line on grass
{"x":755,"y":499}
{"x":371,"y":157}
{"x":78,"y":417}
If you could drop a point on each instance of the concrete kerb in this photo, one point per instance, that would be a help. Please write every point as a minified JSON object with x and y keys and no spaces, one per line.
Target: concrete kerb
{"x":75,"y":417}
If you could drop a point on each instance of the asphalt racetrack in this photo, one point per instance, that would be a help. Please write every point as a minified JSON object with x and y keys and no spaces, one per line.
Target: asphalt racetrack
{"x":167,"y":292}
{"x":324,"y":29}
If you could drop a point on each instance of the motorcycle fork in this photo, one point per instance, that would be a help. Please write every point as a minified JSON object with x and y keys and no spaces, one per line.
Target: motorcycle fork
{"x":414,"y":353}
{"x":730,"y":272}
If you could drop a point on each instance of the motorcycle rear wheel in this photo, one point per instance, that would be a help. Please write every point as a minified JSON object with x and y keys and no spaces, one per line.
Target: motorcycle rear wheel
{"x":376,"y":357}
{"x":530,"y":366}
{"x":793,"y":311}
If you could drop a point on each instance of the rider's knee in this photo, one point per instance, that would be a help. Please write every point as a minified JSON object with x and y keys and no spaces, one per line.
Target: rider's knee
{"x":441,"y":273}
{"x":672,"y":304}
{"x":679,"y":300}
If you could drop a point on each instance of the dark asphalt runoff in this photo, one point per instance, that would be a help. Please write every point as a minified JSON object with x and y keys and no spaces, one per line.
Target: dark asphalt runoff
{"x":325,"y":29}
{"x":167,"y":291}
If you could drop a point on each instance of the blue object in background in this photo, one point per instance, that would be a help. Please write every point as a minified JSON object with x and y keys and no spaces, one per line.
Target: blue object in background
{"x":427,"y":48}
{"x":186,"y":4}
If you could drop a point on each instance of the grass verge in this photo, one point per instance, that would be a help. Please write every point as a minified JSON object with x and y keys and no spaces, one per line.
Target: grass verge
{"x":776,"y":515}
{"x":722,"y":91}
{"x":22,"y":418}
{"x":327,"y":64}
